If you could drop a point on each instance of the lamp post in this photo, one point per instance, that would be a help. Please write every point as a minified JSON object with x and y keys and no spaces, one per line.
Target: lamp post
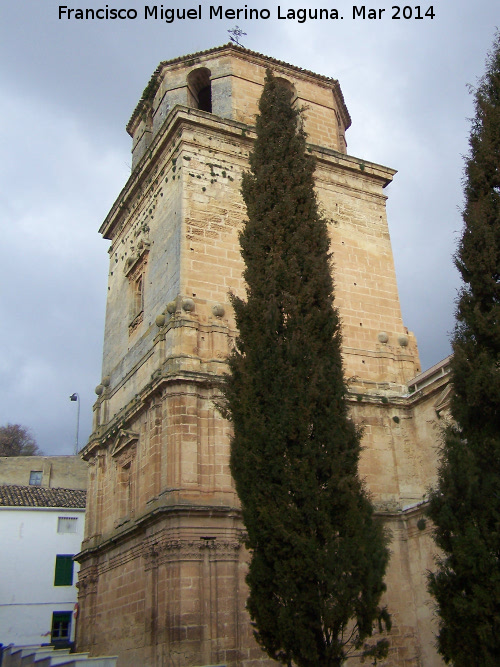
{"x":76,"y":397}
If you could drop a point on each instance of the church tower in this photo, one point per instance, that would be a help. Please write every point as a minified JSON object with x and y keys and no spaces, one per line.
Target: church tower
{"x":162,"y":578}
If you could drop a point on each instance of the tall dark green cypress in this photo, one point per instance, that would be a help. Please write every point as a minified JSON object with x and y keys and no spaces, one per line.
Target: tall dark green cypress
{"x":465,"y":506}
{"x":318,"y":554}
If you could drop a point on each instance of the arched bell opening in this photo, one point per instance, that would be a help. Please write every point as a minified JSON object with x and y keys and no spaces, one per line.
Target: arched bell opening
{"x":200,"y":89}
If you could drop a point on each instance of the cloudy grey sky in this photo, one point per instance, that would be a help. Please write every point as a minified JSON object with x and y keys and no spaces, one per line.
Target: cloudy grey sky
{"x":68,"y":88}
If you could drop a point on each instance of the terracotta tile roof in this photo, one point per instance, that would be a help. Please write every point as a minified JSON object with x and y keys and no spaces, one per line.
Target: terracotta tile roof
{"x":39,"y":496}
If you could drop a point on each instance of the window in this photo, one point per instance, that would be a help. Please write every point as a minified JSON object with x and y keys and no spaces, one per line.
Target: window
{"x":136,"y":303}
{"x":67,"y":524}
{"x":61,"y":627}
{"x":138,"y":297}
{"x":135,"y":270}
{"x":64,"y":571}
{"x":205,"y":99}
{"x":200,"y":89}
{"x":36,"y":478}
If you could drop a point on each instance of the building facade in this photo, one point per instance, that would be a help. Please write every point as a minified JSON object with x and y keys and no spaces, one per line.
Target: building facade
{"x":162,"y":579}
{"x":41,"y":529}
{"x":54,"y":472}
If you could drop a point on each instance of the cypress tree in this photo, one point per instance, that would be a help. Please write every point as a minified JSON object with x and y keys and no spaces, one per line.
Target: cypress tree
{"x":318,"y":554}
{"x":465,"y":506}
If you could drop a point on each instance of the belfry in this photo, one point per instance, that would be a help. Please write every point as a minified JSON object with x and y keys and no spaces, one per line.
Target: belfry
{"x":162,"y":579}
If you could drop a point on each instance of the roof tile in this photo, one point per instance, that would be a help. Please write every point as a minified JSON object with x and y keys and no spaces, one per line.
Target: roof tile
{"x":39,"y":496}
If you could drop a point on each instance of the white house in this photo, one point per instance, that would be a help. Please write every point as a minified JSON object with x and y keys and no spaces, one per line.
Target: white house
{"x":41,"y":530}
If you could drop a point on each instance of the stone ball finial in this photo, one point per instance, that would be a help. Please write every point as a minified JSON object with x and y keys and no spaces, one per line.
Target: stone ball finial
{"x":218,"y":310}
{"x":106,"y":381}
{"x":383,"y":337}
{"x":188,"y":305}
{"x":160,"y":320}
{"x":403,"y":340}
{"x":99,"y":389}
{"x":171,"y":307}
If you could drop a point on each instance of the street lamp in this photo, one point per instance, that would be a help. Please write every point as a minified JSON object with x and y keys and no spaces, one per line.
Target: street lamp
{"x":76,"y":397}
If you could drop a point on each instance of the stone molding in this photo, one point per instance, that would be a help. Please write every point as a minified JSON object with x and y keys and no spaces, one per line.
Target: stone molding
{"x":124,"y":446}
{"x":137,"y":525}
{"x":168,"y":551}
{"x":160,"y":550}
{"x":102,"y":436}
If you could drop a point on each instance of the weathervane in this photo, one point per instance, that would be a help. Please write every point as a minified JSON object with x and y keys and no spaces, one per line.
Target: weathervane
{"x":235,"y":34}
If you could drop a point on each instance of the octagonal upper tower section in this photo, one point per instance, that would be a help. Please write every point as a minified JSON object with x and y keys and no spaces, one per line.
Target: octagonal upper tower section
{"x":227,"y":81}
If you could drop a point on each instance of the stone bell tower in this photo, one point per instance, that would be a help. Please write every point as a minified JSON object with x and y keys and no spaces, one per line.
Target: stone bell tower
{"x":162,"y":579}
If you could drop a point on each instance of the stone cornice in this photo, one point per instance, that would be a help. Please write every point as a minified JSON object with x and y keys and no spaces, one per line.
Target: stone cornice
{"x":162,"y":510}
{"x":181,"y":116}
{"x":441,"y":369}
{"x":169,"y":374}
{"x":108,"y":433}
{"x":167,"y":547}
{"x":164,"y":551}
{"x":361,"y":167}
{"x":437,"y":381}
